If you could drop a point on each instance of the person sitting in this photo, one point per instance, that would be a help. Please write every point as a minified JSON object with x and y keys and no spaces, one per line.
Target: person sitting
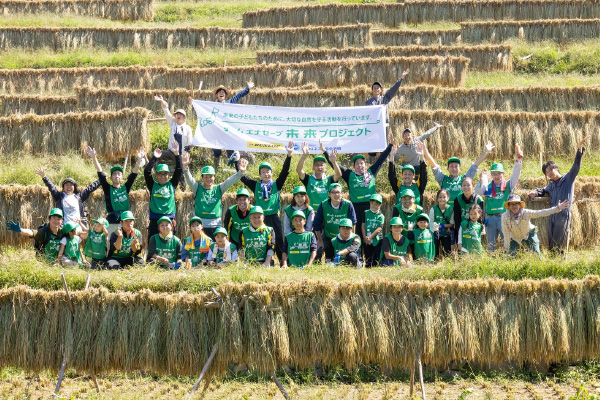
{"x":395,"y":248}
{"x":70,"y":254}
{"x":164,"y":248}
{"x":47,"y":236}
{"x":125,"y":244}
{"x":346,"y":245}
{"x":95,"y":245}
{"x":237,"y":217}
{"x":197,"y":245}
{"x":222,"y":252}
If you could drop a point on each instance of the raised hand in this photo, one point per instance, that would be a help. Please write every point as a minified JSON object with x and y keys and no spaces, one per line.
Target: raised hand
{"x":580,"y":145}
{"x":563,"y":205}
{"x":391,"y":138}
{"x":420,"y":147}
{"x":518,"y":153}
{"x":13,"y":226}
{"x":162,"y":102}
{"x":489,"y":146}
{"x":333,"y":156}
{"x":290,"y":148}
{"x":175,"y":148}
{"x":393,"y":152}
{"x":406,"y":71}
{"x":437,"y":125}
{"x":185,"y":159}
{"x":250,"y":84}
{"x":90,"y":152}
{"x":157,"y":153}
{"x":321,"y":146}
{"x":243,"y":165}
{"x":139,"y":157}
{"x":190,"y":99}
{"x":40,"y":171}
{"x":305,"y":151}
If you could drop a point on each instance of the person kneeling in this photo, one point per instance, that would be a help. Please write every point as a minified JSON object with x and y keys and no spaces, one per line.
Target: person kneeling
{"x":395,"y":247}
{"x":196,"y":247}
{"x":165,"y":248}
{"x":346,"y":245}
{"x":257,"y":240}
{"x":125,"y":244}
{"x":69,"y":254}
{"x":299,"y":247}
{"x":222,"y":252}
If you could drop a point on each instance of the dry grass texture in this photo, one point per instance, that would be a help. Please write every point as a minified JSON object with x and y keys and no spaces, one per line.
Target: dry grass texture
{"x":37,"y":105}
{"x":111,"y":9}
{"x":560,"y":30}
{"x":482,"y":321}
{"x":31,"y":205}
{"x":416,"y":12}
{"x":483,"y":58}
{"x":444,"y":71}
{"x":553,"y":133}
{"x":110,"y":133}
{"x":171,"y":38}
{"x":442,"y":37}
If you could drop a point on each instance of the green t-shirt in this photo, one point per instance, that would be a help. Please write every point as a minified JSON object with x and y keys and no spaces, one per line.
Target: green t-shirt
{"x":317,"y":190}
{"x":424,"y":245}
{"x":414,"y":188}
{"x":332,"y":217}
{"x":406,"y":218}
{"x":471,"y":236}
{"x":48,"y":243}
{"x":125,"y":250}
{"x":95,"y":245}
{"x":453,"y":186}
{"x":271,"y":205}
{"x":256,"y":244}
{"x":167,"y":249}
{"x":219,"y":254}
{"x":72,"y":249}
{"x":236,"y":224}
{"x":208,"y":202}
{"x":443,"y":217}
{"x":396,"y":250}
{"x":119,"y":199}
{"x":298,"y":248}
{"x":359,"y":193}
{"x":162,"y":199}
{"x":372,"y":222}
{"x":495,"y":205}
{"x":339,"y":246}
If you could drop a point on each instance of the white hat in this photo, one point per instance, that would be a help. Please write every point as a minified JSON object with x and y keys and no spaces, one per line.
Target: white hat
{"x":181,"y":111}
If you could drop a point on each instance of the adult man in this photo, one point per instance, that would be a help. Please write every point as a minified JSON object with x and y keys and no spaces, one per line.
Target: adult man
{"x":317,"y":184}
{"x":47,"y":237}
{"x":237,"y":217}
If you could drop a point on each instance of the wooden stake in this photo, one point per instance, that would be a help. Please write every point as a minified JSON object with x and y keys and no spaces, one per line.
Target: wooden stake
{"x":280,"y":386}
{"x":68,"y":294}
{"x":421,"y":375}
{"x":411,"y":391}
{"x":200,"y":85}
{"x":204,"y":369}
{"x":126,"y":159}
{"x":87,"y":282}
{"x":63,"y":366}
{"x":192,"y":88}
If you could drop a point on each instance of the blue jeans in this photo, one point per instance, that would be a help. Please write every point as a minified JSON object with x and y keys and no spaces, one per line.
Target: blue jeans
{"x":493,"y":228}
{"x":532,"y":242}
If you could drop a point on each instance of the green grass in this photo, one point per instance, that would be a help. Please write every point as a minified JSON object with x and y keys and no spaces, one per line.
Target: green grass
{"x":552,"y":58}
{"x":477,"y":79}
{"x":19,"y":267}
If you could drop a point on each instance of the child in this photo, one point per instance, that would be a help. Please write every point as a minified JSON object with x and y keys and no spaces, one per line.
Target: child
{"x":408,"y":177}
{"x":299,"y":246}
{"x":267,"y":195}
{"x":70,"y":254}
{"x":407,"y":210}
{"x":222,"y":252}
{"x":470,"y":231}
{"x":462,"y":204}
{"x":180,"y":133}
{"x":346,"y":245}
{"x":318,"y":183}
{"x":95,"y":245}
{"x":422,"y":239}
{"x":372,"y":230}
{"x":125,"y":244}
{"x":46,"y":238}
{"x":442,"y":214}
{"x":517,"y":227}
{"x":196,"y":247}
{"x":299,"y":203}
{"x":165,"y":248}
{"x":257,"y":240}
{"x":394,"y":246}
{"x":237,"y":217}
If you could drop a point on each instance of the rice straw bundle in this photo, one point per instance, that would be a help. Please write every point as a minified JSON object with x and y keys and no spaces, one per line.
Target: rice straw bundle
{"x":37,"y":105}
{"x":112,"y":9}
{"x":441,"y":37}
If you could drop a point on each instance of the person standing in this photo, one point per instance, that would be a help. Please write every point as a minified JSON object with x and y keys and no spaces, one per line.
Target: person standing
{"x":179,"y":131}
{"x":317,"y":184}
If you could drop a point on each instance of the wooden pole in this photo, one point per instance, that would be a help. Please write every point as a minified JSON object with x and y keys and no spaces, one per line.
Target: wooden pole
{"x":421,"y":375}
{"x":87,"y":281}
{"x":68,"y":294}
{"x":192,"y":88}
{"x":204,"y":369}
{"x":411,"y":391}
{"x":126,"y":159}
{"x":63,"y":366}
{"x":280,"y":386}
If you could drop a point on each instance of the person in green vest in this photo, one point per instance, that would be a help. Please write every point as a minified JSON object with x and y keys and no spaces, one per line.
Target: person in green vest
{"x":422,"y":239}
{"x":116,"y":194}
{"x":327,"y":220}
{"x":346,"y":245}
{"x":372,"y":229}
{"x":317,"y":183}
{"x":257,"y":240}
{"x":407,"y":210}
{"x":463,"y":202}
{"x":442,"y":215}
{"x":162,"y":189}
{"x":470,"y":231}
{"x":197,"y":245}
{"x":408,"y":178}
{"x":207,"y":196}
{"x":47,"y":236}
{"x":300,"y":245}
{"x":95,"y":245}
{"x":222,"y":252}
{"x":70,"y":254}
{"x":125,"y":244}
{"x":164,"y":248}
{"x":300,"y":202}
{"x":452,"y":182}
{"x":267,"y":196}
{"x":395,"y":247}
{"x":237,"y":217}
{"x":495,"y":195}
{"x":361,"y":179}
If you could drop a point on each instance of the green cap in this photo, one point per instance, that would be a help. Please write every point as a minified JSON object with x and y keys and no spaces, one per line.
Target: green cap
{"x":497,"y":167}
{"x":69,"y":226}
{"x":127,"y":215}
{"x":220,"y":230}
{"x":453,"y":159}
{"x":356,"y":157}
{"x":256,"y":210}
{"x":396,"y":221}
{"x":408,"y":167}
{"x":346,"y":222}
{"x":116,"y":168}
{"x":407,"y":192}
{"x":377,"y":197}
{"x":423,"y":216}
{"x":56,"y":211}
{"x":299,"y":189}
{"x":333,"y":186}
{"x":319,"y":158}
{"x":163,"y":219}
{"x":195,"y":219}
{"x":265,"y":165}
{"x":162,"y":168}
{"x":298,"y":213}
{"x":101,"y":221}
{"x":242,"y":192}
{"x":208,"y":170}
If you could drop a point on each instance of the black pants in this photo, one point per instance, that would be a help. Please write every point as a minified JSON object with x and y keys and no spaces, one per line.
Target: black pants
{"x":98,"y":264}
{"x":372,"y":254}
{"x":153,"y":227}
{"x":443,"y":244}
{"x":218,"y":152}
{"x":210,"y":232}
{"x":275,"y":222}
{"x":352,"y":259}
{"x":119,"y":263}
{"x":359,"y":209}
{"x":328,"y":248}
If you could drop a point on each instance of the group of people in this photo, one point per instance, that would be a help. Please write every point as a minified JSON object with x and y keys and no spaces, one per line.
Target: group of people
{"x":319,"y":222}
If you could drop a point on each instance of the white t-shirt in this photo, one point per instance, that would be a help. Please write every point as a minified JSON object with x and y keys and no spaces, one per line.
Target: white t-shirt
{"x":71,"y":208}
{"x":64,"y":240}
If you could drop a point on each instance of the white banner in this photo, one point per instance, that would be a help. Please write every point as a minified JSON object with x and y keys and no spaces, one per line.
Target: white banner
{"x":269,"y":129}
